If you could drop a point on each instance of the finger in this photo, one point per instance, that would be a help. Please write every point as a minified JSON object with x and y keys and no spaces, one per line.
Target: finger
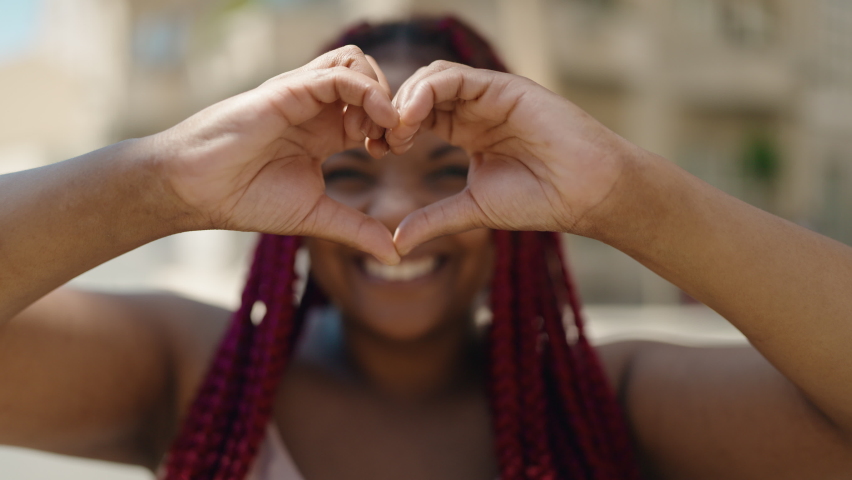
{"x":454,"y":214}
{"x":377,"y":148}
{"x":449,"y":85}
{"x":357,"y":123}
{"x":359,"y":126}
{"x":404,"y":133}
{"x":353,"y":123}
{"x":401,"y":146}
{"x":339,"y":223}
{"x":348,"y":56}
{"x":373,"y":131}
{"x":301,"y":97}
{"x":405,"y":89}
{"x":380,"y":75}
{"x":418,"y":95}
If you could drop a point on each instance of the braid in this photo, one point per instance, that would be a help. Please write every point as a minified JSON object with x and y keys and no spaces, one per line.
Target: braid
{"x":611,"y":418}
{"x":555,"y":416}
{"x":504,"y":366}
{"x":225,"y":424}
{"x":530,"y":320}
{"x":572,"y":426}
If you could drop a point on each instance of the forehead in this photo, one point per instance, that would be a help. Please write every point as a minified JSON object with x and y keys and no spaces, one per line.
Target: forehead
{"x":397,"y":73}
{"x":428,"y":149}
{"x":400,"y":60}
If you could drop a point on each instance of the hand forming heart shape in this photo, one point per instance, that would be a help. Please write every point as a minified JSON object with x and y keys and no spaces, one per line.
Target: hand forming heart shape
{"x":537,"y":161}
{"x":253,"y":162}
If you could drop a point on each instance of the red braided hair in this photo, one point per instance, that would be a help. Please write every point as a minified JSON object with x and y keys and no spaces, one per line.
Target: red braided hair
{"x":555,"y":416}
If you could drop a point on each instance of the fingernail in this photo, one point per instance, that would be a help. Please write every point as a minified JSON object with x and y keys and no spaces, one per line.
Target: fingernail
{"x":378,"y":134}
{"x":365,"y":126}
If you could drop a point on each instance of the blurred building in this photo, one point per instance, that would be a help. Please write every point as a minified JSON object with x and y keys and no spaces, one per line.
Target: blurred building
{"x":754,"y":96}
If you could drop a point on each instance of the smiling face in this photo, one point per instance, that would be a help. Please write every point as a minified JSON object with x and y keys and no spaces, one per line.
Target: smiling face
{"x":435,"y":286}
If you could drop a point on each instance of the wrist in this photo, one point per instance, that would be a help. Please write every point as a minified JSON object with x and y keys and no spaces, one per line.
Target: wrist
{"x":635,"y":203}
{"x":149,"y":164}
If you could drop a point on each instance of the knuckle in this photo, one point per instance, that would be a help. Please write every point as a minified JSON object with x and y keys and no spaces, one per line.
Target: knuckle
{"x":349,"y":55}
{"x":351,"y":50}
{"x":276,"y":78}
{"x":317,"y":76}
{"x":338,"y":70}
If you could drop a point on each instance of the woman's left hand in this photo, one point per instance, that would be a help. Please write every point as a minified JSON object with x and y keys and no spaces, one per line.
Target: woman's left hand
{"x":538,"y":162}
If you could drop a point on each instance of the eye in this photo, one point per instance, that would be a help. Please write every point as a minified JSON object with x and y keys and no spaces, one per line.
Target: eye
{"x":343,"y":174}
{"x":347,"y":181}
{"x":448,"y":180}
{"x":451,"y":171}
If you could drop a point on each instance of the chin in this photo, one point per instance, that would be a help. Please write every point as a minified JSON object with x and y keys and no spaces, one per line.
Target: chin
{"x":408,"y":322}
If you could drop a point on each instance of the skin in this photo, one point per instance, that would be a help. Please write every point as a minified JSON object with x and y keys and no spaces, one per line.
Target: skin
{"x":437,"y":309}
{"x":109,"y":376}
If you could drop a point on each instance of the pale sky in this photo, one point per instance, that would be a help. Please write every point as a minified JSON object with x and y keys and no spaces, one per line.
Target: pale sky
{"x":18,"y":26}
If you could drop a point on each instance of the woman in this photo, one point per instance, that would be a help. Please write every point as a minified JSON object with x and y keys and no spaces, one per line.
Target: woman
{"x":393,"y":380}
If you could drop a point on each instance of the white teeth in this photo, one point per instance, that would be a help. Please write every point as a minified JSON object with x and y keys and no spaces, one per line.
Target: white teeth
{"x":406,"y":271}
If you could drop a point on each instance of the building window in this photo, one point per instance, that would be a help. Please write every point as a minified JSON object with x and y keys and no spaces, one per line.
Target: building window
{"x":835,"y":59}
{"x":744,"y":23}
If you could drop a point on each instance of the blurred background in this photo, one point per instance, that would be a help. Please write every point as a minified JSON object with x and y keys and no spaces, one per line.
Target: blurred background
{"x":753,"y":96}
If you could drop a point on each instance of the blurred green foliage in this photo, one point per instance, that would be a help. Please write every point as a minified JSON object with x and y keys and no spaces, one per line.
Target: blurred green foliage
{"x":761,"y":160}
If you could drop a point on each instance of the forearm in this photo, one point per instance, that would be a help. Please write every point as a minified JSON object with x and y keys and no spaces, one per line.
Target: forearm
{"x":60,"y":220}
{"x":789,"y":290}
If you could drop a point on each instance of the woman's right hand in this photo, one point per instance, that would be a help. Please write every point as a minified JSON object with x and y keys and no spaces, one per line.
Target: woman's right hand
{"x":253,"y":162}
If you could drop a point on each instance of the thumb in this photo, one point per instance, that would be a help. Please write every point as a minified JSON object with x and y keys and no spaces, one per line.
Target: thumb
{"x":454,"y":214}
{"x":331,"y":220}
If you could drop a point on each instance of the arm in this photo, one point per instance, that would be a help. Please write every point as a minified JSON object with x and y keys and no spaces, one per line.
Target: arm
{"x":63,"y":219}
{"x":82,"y":374}
{"x":540,"y":163}
{"x":103,"y":376}
{"x":107,"y":376}
{"x":248,"y":163}
{"x":786,"y":288}
{"x":721,"y":412}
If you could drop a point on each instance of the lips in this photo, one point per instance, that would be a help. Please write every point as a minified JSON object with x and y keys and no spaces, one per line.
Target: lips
{"x":407,"y":270}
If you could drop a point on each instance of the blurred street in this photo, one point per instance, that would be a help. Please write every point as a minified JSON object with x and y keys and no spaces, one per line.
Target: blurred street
{"x":752,"y":96}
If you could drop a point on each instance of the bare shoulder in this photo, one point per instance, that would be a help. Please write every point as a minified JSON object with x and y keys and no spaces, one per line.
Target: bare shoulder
{"x":189,"y":332}
{"x":721,"y":412}
{"x":192,"y":331}
{"x":103,"y":375}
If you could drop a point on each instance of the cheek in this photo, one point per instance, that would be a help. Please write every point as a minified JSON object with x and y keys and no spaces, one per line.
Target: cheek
{"x":325,"y":269}
{"x":477,"y":265}
{"x":449,"y":299}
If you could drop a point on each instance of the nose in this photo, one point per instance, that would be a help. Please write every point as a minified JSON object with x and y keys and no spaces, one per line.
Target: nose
{"x":389,"y":204}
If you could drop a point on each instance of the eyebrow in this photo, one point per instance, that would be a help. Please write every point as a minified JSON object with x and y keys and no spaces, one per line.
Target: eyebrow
{"x":444,"y":150}
{"x":357,"y":153}
{"x":360,"y":155}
